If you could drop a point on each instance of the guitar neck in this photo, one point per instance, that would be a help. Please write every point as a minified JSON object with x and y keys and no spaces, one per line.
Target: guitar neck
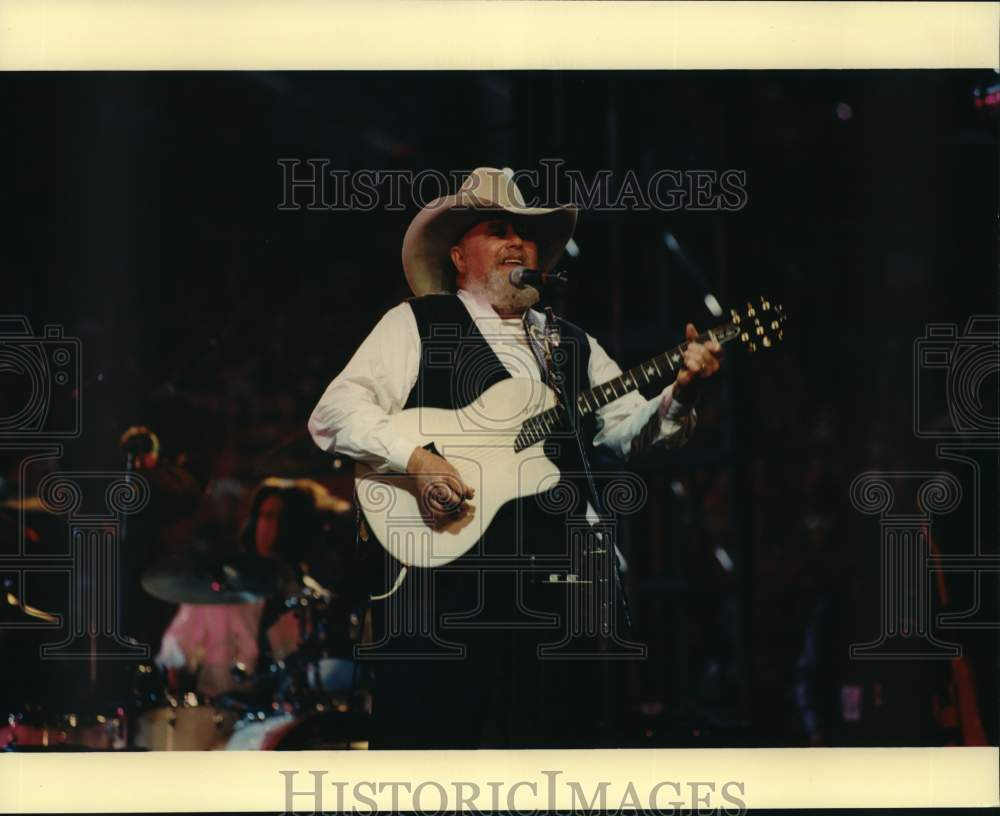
{"x":654,"y":370}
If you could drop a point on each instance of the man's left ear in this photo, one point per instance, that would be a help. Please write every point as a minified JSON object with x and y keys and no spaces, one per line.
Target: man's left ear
{"x":457,"y":259}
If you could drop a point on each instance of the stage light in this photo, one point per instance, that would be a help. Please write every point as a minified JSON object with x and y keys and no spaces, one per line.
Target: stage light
{"x":844,"y":112}
{"x":713,"y":305}
{"x":987,"y":96}
{"x":693,"y":272}
{"x":724,"y":560}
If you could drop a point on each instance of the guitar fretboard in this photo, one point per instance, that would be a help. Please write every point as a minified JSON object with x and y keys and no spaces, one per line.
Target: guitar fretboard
{"x":654,"y":370}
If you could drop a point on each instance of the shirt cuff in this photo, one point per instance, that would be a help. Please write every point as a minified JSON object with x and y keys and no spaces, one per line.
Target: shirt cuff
{"x":671,"y":408}
{"x":399,"y":454}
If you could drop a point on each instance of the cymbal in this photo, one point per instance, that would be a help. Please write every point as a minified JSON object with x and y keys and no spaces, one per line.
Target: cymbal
{"x":325,"y":501}
{"x":29,"y":504}
{"x":14,"y":610}
{"x":234,"y":579}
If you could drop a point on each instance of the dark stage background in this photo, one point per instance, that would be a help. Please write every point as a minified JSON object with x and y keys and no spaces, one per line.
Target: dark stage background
{"x":141,"y":214}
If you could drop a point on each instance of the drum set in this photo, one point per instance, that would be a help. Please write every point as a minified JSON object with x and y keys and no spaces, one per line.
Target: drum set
{"x":316,"y":692}
{"x":314,"y":695}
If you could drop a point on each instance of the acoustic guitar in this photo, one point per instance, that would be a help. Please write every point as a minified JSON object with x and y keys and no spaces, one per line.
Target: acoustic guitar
{"x":496,"y":443}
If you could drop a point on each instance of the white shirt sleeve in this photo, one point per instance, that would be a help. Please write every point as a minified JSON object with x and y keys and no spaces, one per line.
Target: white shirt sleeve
{"x":631,"y":424}
{"x":352,"y":417}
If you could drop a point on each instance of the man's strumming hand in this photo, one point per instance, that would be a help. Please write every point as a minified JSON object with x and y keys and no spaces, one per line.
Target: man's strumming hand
{"x":441,"y":491}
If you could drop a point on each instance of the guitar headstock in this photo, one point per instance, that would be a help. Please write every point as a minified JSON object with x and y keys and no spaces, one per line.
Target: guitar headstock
{"x":760,"y":325}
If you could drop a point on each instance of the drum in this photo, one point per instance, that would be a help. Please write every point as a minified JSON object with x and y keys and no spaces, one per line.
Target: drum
{"x":259,"y":732}
{"x":322,"y":670}
{"x":335,"y":675}
{"x":35,"y":728}
{"x":192,"y":725}
{"x":169,"y":718}
{"x":329,"y":730}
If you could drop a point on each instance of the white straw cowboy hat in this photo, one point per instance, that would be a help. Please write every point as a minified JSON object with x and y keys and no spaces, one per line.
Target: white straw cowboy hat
{"x":438,"y":226}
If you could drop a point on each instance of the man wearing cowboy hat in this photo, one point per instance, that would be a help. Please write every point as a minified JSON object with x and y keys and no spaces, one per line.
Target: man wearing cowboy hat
{"x":457,"y":256}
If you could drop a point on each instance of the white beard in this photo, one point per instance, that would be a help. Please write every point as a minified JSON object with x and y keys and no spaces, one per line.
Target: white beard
{"x":503,"y":295}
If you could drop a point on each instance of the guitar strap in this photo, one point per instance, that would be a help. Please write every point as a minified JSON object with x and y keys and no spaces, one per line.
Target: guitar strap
{"x":539,"y":345}
{"x":552,"y":337}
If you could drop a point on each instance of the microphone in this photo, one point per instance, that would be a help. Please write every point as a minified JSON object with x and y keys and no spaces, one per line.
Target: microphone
{"x":521,"y":277}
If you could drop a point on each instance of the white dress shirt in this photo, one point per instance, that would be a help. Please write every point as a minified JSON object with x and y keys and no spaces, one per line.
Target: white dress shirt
{"x":352,"y":417}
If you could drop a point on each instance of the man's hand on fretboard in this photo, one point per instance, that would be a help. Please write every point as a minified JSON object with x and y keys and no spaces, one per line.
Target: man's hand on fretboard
{"x":701,"y":360}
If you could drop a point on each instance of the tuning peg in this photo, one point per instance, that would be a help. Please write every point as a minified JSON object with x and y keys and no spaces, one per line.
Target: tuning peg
{"x":736,"y":316}
{"x":767,"y":342}
{"x":744,"y":336}
{"x":764,"y":304}
{"x":752,"y":347}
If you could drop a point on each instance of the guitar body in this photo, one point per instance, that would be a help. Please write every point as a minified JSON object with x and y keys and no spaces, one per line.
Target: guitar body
{"x":478,"y":441}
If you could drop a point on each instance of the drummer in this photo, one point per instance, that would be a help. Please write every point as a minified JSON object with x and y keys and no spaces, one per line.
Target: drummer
{"x":210,"y":640}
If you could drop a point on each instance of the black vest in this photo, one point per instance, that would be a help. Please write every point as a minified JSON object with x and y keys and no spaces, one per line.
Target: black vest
{"x":457,"y":365}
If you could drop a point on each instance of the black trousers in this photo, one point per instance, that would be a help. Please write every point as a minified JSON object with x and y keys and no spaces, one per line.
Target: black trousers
{"x":472,"y":670}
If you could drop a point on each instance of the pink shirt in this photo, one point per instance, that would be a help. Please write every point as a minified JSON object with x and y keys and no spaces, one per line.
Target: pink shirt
{"x":211,"y":638}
